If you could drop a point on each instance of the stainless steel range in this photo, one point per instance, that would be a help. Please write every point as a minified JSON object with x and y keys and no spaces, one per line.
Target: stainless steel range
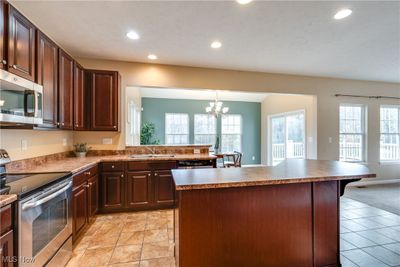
{"x":44,"y":215}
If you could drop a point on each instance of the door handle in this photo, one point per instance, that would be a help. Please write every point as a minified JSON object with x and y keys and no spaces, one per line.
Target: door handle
{"x":35,"y":203}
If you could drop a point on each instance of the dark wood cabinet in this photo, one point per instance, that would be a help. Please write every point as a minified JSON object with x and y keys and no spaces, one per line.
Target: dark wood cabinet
{"x":164,"y":188}
{"x":139,"y":189}
{"x":47,"y":75}
{"x":104,"y":90}
{"x":112,"y":193}
{"x":93,"y":195}
{"x":79,"y":98}
{"x":7,"y":256}
{"x":3,"y":56}
{"x":80,"y":209}
{"x":65,"y":90}
{"x":21,"y":45}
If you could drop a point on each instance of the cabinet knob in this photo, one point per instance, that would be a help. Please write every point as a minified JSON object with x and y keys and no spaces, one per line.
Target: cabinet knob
{"x":76,"y":125}
{"x":122,"y":176}
{"x":149,"y":174}
{"x":13,"y":66}
{"x":90,"y":184}
{"x":112,"y":166}
{"x":87,"y":173}
{"x":115,"y":127}
{"x":58,"y":124}
{"x":86,"y":185}
{"x":155,"y":174}
{"x":4,"y":62}
{"x":62,"y":124}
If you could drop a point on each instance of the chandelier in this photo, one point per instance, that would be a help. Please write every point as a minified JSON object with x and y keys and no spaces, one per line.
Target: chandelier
{"x":216,"y":108}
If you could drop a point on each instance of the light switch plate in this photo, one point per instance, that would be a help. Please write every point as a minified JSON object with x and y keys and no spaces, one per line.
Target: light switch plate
{"x":24,"y":144}
{"x":107,"y":141}
{"x":65,"y":142}
{"x":196,"y":151}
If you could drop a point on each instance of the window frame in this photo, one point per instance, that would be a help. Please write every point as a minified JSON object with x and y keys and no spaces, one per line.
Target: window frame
{"x":241,"y":132}
{"x":381,"y":134}
{"x":188,"y":128}
{"x":208,"y":134}
{"x":363,"y":134}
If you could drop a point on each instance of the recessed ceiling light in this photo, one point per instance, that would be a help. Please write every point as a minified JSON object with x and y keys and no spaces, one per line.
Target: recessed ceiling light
{"x":341,"y":14}
{"x":133,"y":35}
{"x":152,"y":57}
{"x":216,"y":44}
{"x":244,"y":2}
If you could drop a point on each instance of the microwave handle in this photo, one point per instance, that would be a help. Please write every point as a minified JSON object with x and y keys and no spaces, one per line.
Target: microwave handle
{"x":36,"y":112}
{"x":26,"y":94}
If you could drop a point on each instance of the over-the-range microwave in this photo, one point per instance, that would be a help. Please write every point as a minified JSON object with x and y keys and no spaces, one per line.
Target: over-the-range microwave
{"x":21,"y":100}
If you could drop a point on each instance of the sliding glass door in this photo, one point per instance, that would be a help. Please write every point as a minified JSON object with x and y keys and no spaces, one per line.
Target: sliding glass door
{"x":287,"y":136}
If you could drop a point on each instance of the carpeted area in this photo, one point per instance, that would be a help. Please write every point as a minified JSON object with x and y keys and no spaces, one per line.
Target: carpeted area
{"x":382,"y":196}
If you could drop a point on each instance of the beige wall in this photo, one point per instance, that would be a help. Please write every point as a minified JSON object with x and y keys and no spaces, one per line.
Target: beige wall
{"x":278,"y":104}
{"x":40,"y":142}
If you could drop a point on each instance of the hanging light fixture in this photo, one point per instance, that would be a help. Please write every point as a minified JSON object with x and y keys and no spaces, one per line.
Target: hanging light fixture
{"x":216,"y":108}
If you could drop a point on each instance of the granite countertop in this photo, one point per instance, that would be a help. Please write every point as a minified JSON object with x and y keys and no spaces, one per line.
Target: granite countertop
{"x":76,"y":165}
{"x":289,"y":171}
{"x":7,"y":199}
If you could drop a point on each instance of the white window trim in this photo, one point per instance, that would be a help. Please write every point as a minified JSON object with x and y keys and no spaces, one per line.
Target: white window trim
{"x":241,"y":131}
{"x":194,"y":127}
{"x":364,"y":128}
{"x":269,"y":132}
{"x":388,"y":161}
{"x":188,"y":126}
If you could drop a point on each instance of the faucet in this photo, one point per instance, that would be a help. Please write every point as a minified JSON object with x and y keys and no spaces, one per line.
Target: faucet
{"x":152,"y":150}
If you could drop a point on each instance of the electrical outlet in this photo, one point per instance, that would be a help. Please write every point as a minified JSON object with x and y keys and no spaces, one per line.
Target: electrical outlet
{"x":65,"y":142}
{"x":330,"y":140}
{"x":196,"y":151}
{"x":107,"y":141}
{"x":253,"y":158}
{"x":24,"y":145}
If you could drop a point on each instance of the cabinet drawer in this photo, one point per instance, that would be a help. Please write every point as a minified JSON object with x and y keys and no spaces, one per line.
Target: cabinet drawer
{"x":83,"y":176}
{"x":151,"y":165}
{"x":113,"y":166}
{"x":5,"y":219}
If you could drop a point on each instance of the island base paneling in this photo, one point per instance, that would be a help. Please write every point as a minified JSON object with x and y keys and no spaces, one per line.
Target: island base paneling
{"x":273,"y":225}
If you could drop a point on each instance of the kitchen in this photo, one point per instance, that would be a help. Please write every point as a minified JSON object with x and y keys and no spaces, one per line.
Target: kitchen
{"x":79,"y":186}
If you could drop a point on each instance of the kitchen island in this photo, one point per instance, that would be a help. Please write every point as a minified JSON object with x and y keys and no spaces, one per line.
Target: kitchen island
{"x":287,"y":215}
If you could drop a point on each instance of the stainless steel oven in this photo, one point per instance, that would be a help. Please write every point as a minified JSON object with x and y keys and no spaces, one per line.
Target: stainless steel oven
{"x":45,"y":226}
{"x":21,"y":101}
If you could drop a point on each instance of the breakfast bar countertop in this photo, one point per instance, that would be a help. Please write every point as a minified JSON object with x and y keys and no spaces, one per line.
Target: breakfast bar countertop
{"x":75,"y":165}
{"x":287,"y":172}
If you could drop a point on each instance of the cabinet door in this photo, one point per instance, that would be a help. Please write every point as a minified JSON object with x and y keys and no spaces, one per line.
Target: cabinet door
{"x":104,"y":87}
{"x":47,"y":75}
{"x":6,"y":249}
{"x":66,"y":90}
{"x":21,"y":45}
{"x":139,"y":189}
{"x":79,"y":98}
{"x":79,"y":206}
{"x":3,"y":58}
{"x":93,"y":195}
{"x":112,"y":193}
{"x":164,"y":190}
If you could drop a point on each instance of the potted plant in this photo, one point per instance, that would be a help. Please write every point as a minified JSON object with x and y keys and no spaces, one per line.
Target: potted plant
{"x":147,"y":134}
{"x":216,"y":145}
{"x":81,"y":149}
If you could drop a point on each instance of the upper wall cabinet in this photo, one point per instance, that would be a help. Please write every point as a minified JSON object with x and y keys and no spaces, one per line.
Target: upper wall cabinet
{"x":47,"y":75}
{"x":21,"y":45}
{"x":65,"y":90}
{"x":80,"y":111}
{"x":103,"y":87}
{"x":3,"y":58}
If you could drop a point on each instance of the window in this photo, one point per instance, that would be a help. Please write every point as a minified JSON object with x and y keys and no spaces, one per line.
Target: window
{"x":390,"y":133}
{"x":231,"y":133}
{"x":352,"y":132}
{"x":176,"y":128}
{"x":205,"y":129}
{"x":288,"y":135}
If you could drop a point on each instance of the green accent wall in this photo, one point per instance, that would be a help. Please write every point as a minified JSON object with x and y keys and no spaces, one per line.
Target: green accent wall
{"x":154,"y":110}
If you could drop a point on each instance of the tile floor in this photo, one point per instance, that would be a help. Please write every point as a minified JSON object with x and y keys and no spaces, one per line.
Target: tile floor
{"x":370,"y":237}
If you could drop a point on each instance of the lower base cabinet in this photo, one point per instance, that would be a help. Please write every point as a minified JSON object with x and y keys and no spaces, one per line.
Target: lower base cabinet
{"x":85,"y":195}
{"x":7,"y":256}
{"x":137,"y":186}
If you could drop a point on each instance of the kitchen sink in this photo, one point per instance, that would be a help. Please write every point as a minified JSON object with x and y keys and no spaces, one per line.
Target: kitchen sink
{"x":151,"y":156}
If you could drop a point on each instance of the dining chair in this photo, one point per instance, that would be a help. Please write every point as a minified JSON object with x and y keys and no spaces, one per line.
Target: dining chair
{"x":236,"y":160}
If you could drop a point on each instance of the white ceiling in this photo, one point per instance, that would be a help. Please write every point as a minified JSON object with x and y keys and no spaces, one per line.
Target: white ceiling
{"x":175,"y":93}
{"x":295,"y":37}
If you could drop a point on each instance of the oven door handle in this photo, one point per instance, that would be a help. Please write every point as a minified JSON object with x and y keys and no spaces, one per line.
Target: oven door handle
{"x":37,"y":202}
